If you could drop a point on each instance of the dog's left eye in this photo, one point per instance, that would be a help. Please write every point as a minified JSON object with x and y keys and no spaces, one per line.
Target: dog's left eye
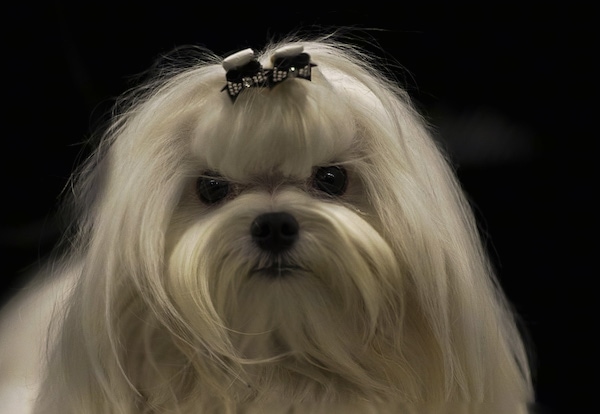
{"x":211,"y":189}
{"x":333,"y":180}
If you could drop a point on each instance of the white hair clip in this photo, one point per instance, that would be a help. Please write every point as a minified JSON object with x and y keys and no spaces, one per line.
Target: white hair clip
{"x":244,"y":71}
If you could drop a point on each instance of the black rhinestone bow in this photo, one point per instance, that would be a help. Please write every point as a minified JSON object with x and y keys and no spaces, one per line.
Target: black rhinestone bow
{"x":297,"y":66}
{"x":253,"y":75}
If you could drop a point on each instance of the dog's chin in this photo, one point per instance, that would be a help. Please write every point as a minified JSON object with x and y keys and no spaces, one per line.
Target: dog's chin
{"x":278,"y":270}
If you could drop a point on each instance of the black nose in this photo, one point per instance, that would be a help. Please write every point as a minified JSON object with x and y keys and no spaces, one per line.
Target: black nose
{"x":275,"y":232}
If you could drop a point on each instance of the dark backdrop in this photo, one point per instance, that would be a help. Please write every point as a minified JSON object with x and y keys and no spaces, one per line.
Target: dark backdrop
{"x":507,"y":87}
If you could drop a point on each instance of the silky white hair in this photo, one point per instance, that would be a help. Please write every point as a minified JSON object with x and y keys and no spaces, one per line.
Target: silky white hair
{"x":394,"y":307}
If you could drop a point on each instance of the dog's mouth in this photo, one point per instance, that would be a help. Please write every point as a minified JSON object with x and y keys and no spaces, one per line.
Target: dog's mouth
{"x":277,"y":270}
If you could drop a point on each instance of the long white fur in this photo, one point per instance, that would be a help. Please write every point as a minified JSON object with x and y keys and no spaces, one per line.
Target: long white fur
{"x":395,"y":308}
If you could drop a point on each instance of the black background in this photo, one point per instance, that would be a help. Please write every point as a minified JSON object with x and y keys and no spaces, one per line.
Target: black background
{"x":508,"y":88}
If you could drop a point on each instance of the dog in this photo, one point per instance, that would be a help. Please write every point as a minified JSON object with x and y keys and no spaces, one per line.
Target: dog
{"x":272,"y":232}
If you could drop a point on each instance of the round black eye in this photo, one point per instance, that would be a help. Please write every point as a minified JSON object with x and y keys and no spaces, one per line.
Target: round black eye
{"x":332,"y":180}
{"x":211,"y":189}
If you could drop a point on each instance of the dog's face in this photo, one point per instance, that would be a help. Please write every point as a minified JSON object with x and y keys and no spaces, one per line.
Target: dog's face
{"x":275,"y":238}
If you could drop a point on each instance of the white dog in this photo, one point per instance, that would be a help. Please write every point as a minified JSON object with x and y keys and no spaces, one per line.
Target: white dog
{"x":272,"y":233}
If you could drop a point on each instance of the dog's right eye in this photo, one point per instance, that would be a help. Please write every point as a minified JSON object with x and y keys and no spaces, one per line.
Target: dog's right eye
{"x":211,"y":188}
{"x":332,"y":180}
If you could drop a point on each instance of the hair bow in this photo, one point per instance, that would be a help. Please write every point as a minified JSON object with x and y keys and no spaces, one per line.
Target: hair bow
{"x":244,"y":71}
{"x":291,"y":61}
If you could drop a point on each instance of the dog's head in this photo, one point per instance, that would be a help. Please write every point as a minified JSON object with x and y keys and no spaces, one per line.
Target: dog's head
{"x":278,"y":232}
{"x":306,"y":237}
